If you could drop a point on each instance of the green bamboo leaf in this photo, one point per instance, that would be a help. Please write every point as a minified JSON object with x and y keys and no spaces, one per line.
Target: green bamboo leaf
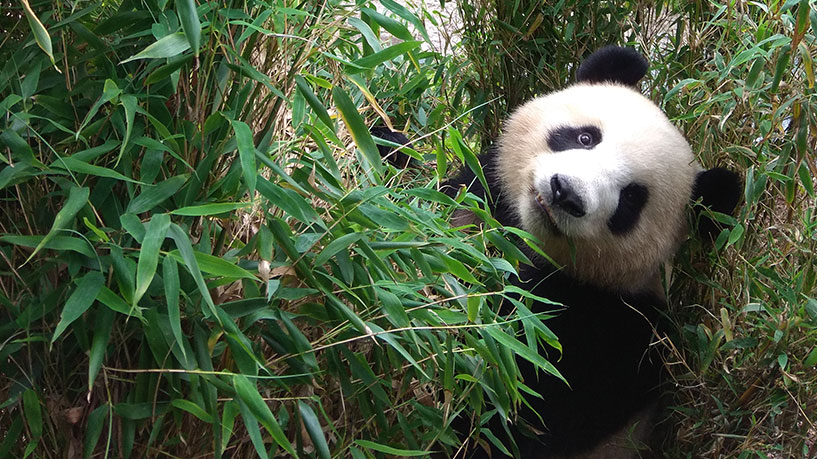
{"x":458,"y":269}
{"x":33,"y":413}
{"x":98,"y":232}
{"x":806,"y":179}
{"x":780,"y":67}
{"x":149,"y":254}
{"x":216,"y":266}
{"x":366,"y":32}
{"x":38,"y":29}
{"x":685,"y":83}
{"x":347,"y":313}
{"x":167,"y":46}
{"x":404,"y":13}
{"x":133,"y":226}
{"x":473,"y":305}
{"x":314,"y":102}
{"x":115,"y":303}
{"x":94,"y":425}
{"x":251,"y":425}
{"x":128,"y":101}
{"x":463,"y":151}
{"x":373,"y":60}
{"x":13,"y":431}
{"x":246,"y":151}
{"x":103,"y":325}
{"x":168,"y":69}
{"x":11,"y":173}
{"x":110,"y":91}
{"x":343,"y":242}
{"x":80,"y":300}
{"x":230,"y":411}
{"x":152,"y":196}
{"x":75,"y":165}
{"x":392,"y":341}
{"x":20,"y":148}
{"x":521,"y":350}
{"x":182,"y":241}
{"x":289,"y":200}
{"x":77,"y":198}
{"x":811,"y":358}
{"x":9,"y":102}
{"x":735,"y":234}
{"x":141,"y":410}
{"x":248,"y":394}
{"x":356,"y":126}
{"x":395,"y":28}
{"x":55,"y":243}
{"x":210,"y":209}
{"x":313,"y":428}
{"x":170,"y":276}
{"x":191,"y":26}
{"x":193,"y":409}
{"x":389,"y":450}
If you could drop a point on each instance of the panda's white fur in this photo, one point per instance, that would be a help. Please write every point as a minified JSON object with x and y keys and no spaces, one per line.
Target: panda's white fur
{"x":639,"y":144}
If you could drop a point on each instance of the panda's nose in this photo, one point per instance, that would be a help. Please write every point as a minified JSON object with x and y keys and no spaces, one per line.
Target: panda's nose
{"x":565,"y":196}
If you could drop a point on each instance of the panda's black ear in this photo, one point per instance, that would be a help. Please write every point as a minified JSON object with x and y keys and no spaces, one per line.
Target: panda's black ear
{"x":614,"y":64}
{"x":718,"y":189}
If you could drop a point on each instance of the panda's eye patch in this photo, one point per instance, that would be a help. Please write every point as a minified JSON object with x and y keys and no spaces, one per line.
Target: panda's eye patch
{"x":631,"y":202}
{"x":573,"y":137}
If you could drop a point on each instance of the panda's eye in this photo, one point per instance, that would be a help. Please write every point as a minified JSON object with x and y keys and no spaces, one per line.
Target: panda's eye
{"x":586,"y":139}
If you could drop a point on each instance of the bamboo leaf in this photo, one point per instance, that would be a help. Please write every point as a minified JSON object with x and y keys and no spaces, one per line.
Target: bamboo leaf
{"x":94,"y":425}
{"x":210,"y":209}
{"x":216,"y":266}
{"x":341,"y":243}
{"x":81,"y":167}
{"x":191,"y":26}
{"x":356,"y":126}
{"x":521,"y":350}
{"x":246,"y":151}
{"x":186,"y":250}
{"x":389,"y":450}
{"x":103,"y":324}
{"x":38,"y":29}
{"x":170,"y":276}
{"x":313,"y":102}
{"x":33,"y":413}
{"x":251,"y":425}
{"x":373,"y":60}
{"x":80,"y":300}
{"x":313,"y":428}
{"x":149,"y":254}
{"x":248,"y":394}
{"x":77,"y":198}
{"x":193,"y":409}
{"x":152,"y":196}
{"x":167,"y":46}
{"x":128,"y":101}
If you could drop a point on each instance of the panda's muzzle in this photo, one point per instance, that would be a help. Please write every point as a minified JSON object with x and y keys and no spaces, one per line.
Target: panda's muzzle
{"x":565,"y":196}
{"x":551,"y":222}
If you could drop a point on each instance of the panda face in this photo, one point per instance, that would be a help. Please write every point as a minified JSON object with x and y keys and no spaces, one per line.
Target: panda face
{"x":598,"y":168}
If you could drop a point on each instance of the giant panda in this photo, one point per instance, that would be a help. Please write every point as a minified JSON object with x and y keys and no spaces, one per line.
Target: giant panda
{"x":604,"y":180}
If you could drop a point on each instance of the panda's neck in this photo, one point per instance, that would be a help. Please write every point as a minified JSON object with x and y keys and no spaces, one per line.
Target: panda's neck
{"x":615,"y":274}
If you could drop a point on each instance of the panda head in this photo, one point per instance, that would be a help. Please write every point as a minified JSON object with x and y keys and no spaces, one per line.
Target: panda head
{"x":600,"y":175}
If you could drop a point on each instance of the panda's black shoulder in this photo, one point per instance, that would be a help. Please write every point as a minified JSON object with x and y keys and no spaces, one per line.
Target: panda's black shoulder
{"x":493,"y":195}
